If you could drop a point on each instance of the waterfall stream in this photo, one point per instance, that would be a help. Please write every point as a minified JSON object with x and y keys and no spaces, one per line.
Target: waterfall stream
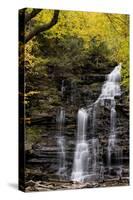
{"x":86,"y":156}
{"x":86,"y":165}
{"x":110,"y":90}
{"x":80,"y":168}
{"x":60,"y":121}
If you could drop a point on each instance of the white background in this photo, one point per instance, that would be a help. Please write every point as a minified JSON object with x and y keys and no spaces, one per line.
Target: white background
{"x":9,"y":91}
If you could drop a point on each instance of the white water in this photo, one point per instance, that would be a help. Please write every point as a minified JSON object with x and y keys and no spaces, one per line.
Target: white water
{"x":86,"y":154}
{"x":60,"y":119}
{"x":80,"y":167}
{"x":82,"y":124}
{"x":111,"y":89}
{"x":62,"y":88}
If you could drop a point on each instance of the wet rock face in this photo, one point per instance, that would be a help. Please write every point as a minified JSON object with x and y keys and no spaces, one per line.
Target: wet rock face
{"x":43,"y":159}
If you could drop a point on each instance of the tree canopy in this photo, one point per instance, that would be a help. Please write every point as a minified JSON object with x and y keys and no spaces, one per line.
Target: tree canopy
{"x":66,"y":44}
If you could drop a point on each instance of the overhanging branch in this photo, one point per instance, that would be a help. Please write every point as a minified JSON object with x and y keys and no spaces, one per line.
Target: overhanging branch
{"x":43,"y":27}
{"x":31,"y":15}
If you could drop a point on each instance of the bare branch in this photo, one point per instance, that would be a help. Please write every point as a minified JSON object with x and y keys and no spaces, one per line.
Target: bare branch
{"x":43,"y":27}
{"x":31,"y":15}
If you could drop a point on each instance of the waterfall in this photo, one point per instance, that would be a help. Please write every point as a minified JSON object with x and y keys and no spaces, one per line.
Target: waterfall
{"x":80,"y":167}
{"x":60,"y":121}
{"x":111,"y":87}
{"x":82,"y":124}
{"x":86,"y":156}
{"x":110,"y":90}
{"x":62,"y":88}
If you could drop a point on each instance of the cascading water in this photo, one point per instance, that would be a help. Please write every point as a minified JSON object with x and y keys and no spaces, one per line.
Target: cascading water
{"x":86,"y":156}
{"x":110,"y":90}
{"x":80,"y":167}
{"x":60,"y":121}
{"x":62,"y":88}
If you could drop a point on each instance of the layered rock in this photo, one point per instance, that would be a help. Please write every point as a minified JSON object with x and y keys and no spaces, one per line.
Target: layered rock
{"x":42,"y":160}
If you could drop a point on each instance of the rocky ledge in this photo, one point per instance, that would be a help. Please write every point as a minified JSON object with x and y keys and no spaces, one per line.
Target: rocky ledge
{"x":53,"y":185}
